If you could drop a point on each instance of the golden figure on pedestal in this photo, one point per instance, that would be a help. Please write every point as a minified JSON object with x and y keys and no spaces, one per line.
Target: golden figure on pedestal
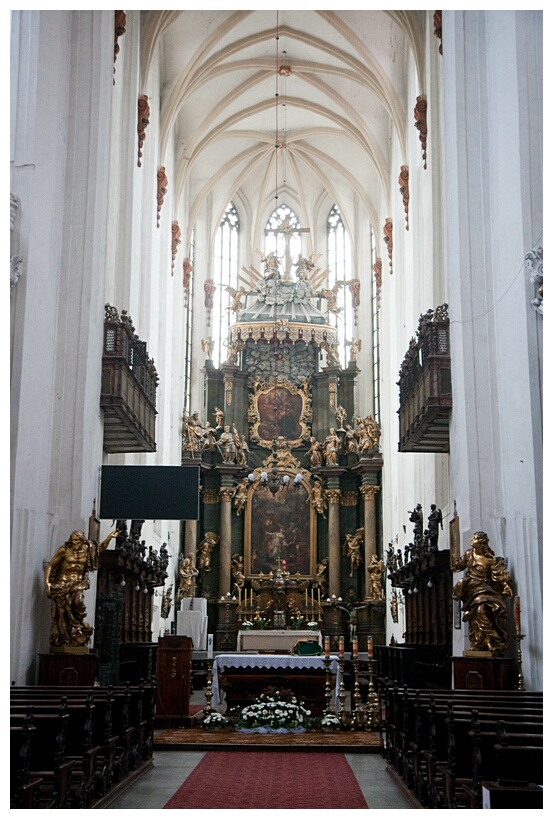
{"x":482,"y":591}
{"x":65,"y":580}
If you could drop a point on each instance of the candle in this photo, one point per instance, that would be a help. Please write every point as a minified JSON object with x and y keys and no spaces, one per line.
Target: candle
{"x":327,"y":646}
{"x":341,"y":647}
{"x":370,"y":650}
{"x":319,"y":596}
{"x":210,"y":646}
{"x":306,"y":599}
{"x":354,"y":647}
{"x":517,"y":615}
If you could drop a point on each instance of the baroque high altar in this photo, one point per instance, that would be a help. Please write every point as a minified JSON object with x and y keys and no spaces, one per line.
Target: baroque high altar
{"x":289,"y":531}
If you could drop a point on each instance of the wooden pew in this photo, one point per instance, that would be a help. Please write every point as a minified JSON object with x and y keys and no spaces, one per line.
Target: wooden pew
{"x":122,"y":728}
{"x":79,"y":747}
{"x":24,"y":788}
{"x":416,"y":737}
{"x":47,"y":759}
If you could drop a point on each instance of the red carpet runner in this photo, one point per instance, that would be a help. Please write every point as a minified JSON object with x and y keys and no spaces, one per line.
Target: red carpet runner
{"x":269,"y":779}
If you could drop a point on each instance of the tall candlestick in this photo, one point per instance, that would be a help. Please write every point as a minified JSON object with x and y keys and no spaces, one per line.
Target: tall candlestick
{"x":327,"y":646}
{"x":341,"y":646}
{"x":370,"y":648}
{"x":517,"y":614}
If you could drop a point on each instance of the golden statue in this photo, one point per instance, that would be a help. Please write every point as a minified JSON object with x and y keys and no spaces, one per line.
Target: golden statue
{"x":204,"y":550}
{"x":352,"y":548}
{"x":483,"y":590}
{"x":187,"y":573}
{"x":66,"y":578}
{"x":375,"y":571}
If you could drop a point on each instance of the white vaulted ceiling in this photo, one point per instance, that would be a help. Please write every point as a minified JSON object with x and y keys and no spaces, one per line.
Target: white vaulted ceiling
{"x":344,"y":105}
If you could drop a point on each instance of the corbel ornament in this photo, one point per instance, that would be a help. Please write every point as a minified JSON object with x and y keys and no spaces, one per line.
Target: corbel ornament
{"x":120,"y":21}
{"x":349,"y":498}
{"x":534,"y":264}
{"x":175,"y":242}
{"x":404,"y":190}
{"x":420,"y":123}
{"x":388,"y":238}
{"x":143,"y":122}
{"x":210,"y":497}
{"x":377,"y":270}
{"x":438,"y":28}
{"x":161,"y":191}
{"x":333,"y":495}
{"x":368,"y":491}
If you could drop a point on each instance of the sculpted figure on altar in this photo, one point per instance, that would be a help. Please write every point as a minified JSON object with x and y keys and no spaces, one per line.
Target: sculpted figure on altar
{"x":315,"y":452}
{"x":237,"y":568}
{"x":375,"y":572}
{"x":227,"y":446}
{"x":204,"y":551}
{"x":331,"y":445}
{"x":352,"y":548}
{"x":187,"y":573}
{"x":482,"y":591}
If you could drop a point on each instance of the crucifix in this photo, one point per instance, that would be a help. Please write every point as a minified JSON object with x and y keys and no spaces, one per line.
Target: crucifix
{"x":286,"y":229}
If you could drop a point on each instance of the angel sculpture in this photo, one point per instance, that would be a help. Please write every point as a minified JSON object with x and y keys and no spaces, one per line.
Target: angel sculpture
{"x":236,"y":302}
{"x":318,"y":499}
{"x":331,"y":296}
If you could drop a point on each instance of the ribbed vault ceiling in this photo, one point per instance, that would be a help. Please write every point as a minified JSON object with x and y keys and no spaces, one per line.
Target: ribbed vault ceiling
{"x":335,"y":117}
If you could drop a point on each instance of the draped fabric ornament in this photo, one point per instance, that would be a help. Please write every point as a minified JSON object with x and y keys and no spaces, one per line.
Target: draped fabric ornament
{"x":404,"y":190}
{"x":143,"y":122}
{"x":187,"y":270}
{"x":209,"y":291}
{"x":438,"y":28}
{"x":175,"y":242}
{"x":161,"y":191}
{"x":120,"y":28}
{"x":377,"y":270}
{"x":420,"y":124}
{"x":388,"y":238}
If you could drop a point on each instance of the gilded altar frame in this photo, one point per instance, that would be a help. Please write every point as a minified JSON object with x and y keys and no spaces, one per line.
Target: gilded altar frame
{"x":275,"y":529}
{"x":279,"y":409}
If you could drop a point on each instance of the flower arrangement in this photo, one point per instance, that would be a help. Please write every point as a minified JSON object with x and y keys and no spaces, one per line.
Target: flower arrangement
{"x":215,"y":720}
{"x":297,"y":621}
{"x":275,"y":711}
{"x":247,"y":624}
{"x":313,"y":625}
{"x":330,"y":722}
{"x":260,"y":622}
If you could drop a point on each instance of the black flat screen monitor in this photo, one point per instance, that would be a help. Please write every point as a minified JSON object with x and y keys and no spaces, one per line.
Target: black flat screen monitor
{"x":150,"y":493}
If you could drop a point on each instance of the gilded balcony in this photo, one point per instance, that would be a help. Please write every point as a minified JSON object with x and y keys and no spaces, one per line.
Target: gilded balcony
{"x":425,"y":387}
{"x":129,"y":384}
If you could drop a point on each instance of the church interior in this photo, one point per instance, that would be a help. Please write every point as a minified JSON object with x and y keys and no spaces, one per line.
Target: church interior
{"x":276,"y":353}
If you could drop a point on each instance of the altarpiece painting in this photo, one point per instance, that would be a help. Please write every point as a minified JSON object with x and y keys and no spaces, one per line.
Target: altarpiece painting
{"x":280,"y":527}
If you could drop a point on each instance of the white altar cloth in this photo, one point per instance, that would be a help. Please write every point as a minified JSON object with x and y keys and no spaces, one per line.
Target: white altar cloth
{"x":271,"y":661}
{"x":274,"y":639}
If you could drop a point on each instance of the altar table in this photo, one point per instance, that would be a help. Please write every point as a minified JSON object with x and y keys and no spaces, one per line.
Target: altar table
{"x":274,"y":639}
{"x":241,"y":677}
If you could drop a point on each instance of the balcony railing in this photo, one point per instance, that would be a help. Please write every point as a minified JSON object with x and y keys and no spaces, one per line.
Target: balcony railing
{"x":425,"y":387}
{"x":129,"y":383}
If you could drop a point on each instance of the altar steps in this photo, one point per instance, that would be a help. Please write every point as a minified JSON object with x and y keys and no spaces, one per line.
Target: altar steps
{"x":196,"y":739}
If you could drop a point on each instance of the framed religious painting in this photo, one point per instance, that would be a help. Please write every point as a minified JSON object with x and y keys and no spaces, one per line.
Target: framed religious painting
{"x":280,"y":527}
{"x":279,"y":409}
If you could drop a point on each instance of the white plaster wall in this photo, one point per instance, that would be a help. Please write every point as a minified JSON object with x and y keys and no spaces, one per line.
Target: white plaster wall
{"x":493,"y":211}
{"x":61,"y":130}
